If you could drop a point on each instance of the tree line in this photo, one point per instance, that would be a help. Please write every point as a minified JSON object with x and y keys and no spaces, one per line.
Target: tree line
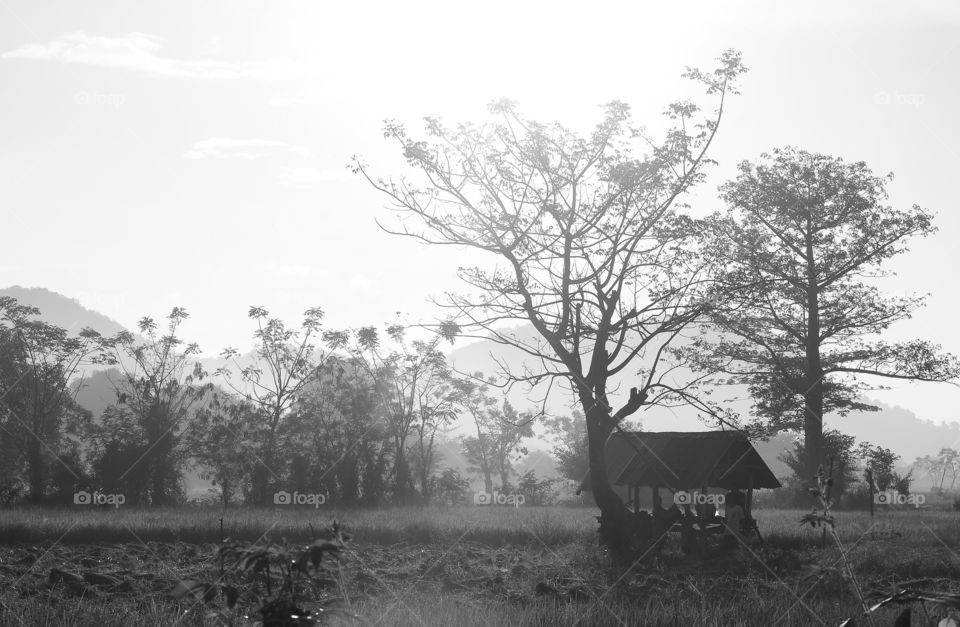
{"x":357,"y":414}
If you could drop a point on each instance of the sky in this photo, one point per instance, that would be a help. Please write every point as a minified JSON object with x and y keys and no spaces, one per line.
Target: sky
{"x":195,"y":154}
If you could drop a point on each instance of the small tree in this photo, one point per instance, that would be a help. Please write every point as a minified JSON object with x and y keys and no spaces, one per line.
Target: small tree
{"x":449,"y":487}
{"x":219,"y":444}
{"x":882,"y":463}
{"x":159,"y":373}
{"x":841,"y":456}
{"x":284,"y":360}
{"x":39,"y":404}
{"x":536,"y":491}
{"x":413,"y":385}
{"x":944,"y":466}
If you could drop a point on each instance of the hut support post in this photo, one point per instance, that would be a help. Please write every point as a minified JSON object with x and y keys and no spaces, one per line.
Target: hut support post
{"x":750,"y":496}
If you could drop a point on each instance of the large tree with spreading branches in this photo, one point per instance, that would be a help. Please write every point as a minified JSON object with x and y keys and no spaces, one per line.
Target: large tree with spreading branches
{"x":799,"y":252}
{"x":589,"y":246}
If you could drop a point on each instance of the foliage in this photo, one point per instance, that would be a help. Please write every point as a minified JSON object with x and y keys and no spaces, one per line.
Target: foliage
{"x":944,"y":466}
{"x":285,"y":360}
{"x":881,"y":462}
{"x":537,"y":491}
{"x":450,"y":488}
{"x":839,"y":449}
{"x":287,"y":587}
{"x":39,"y":418}
{"x":157,"y":392}
{"x":219,"y":442}
{"x":413,"y":383}
{"x":798,"y":319}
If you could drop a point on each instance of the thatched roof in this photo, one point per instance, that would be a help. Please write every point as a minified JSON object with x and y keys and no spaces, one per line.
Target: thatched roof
{"x":685,"y":460}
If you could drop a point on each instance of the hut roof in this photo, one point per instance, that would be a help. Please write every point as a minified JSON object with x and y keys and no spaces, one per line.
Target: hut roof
{"x":685,"y":460}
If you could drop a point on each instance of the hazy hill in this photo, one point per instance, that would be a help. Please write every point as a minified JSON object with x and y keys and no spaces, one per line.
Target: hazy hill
{"x":892,"y":427}
{"x":887,"y":427}
{"x":63,"y":311}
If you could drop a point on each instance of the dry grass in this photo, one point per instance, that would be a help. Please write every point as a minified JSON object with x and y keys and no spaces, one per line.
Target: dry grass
{"x":470,"y":566}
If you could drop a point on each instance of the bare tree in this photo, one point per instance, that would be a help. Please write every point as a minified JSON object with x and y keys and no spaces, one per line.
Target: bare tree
{"x":593,"y":251}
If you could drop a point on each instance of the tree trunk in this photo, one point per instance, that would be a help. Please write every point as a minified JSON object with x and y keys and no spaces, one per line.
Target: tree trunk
{"x":813,"y":379}
{"x":37,"y":471}
{"x":402,"y":479}
{"x":616,"y":529}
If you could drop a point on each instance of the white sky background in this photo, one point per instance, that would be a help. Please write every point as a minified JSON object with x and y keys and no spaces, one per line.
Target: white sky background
{"x":194,"y":154}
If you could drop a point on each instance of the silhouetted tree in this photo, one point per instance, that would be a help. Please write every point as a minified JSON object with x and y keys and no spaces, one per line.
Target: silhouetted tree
{"x":285,"y":359}
{"x":159,"y":373}
{"x":39,"y":402}
{"x":799,"y":324}
{"x":593,"y":249}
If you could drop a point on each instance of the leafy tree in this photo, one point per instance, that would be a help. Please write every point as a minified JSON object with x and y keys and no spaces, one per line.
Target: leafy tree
{"x":500,"y":431}
{"x":841,"y":455}
{"x":536,"y":491}
{"x":338,"y":425}
{"x":39,"y":401}
{"x":570,"y":451}
{"x":882,"y":463}
{"x":285,"y":360}
{"x":218,"y":442}
{"x":594,"y":253}
{"x":118,"y":444}
{"x":157,"y":386}
{"x":413,"y":384}
{"x":449,"y":487}
{"x":798,"y":321}
{"x":945,"y":465}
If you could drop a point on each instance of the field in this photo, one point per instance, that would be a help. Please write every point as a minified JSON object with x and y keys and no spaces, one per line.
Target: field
{"x":469,"y":566}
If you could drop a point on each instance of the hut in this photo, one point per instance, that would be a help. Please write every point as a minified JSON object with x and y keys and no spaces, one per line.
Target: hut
{"x":683,"y":461}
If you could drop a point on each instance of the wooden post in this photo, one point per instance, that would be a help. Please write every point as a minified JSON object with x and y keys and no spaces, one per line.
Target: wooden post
{"x":869,"y":474}
{"x":750,"y":496}
{"x":636,"y":499}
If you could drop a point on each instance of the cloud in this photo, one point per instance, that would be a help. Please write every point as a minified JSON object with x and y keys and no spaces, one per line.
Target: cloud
{"x":304,"y":177}
{"x":222,"y":147}
{"x":142,"y":53}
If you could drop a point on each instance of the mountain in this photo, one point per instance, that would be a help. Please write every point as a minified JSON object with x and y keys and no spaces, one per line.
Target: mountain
{"x":63,"y":311}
